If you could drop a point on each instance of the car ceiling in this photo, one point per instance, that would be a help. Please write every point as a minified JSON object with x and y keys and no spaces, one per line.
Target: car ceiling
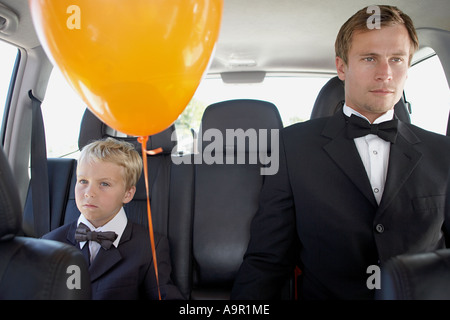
{"x":275,"y":36}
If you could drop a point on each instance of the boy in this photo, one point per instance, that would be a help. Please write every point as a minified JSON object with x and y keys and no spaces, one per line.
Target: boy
{"x":120,"y":267}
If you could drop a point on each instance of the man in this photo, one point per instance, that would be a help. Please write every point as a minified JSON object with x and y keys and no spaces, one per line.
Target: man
{"x":344,"y":203}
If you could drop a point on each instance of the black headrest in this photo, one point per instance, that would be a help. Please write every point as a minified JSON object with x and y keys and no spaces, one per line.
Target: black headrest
{"x":421,"y":276}
{"x":10,"y":205}
{"x":92,"y":129}
{"x":330,"y":99}
{"x":242,"y":114}
{"x":332,"y":96}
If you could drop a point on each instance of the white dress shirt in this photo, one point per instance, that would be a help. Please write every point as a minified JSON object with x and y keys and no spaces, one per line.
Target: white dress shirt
{"x":374,"y":153}
{"x":116,"y":224}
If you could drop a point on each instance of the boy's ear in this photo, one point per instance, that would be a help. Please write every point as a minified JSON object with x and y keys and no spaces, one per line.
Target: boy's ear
{"x":129,"y":194}
{"x":340,"y":68}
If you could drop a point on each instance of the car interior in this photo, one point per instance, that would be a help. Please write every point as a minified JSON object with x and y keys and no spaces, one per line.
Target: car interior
{"x":204,"y":209}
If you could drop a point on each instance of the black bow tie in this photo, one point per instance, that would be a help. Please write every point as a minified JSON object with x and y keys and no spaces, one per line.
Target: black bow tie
{"x":106,"y":239}
{"x":359,"y":127}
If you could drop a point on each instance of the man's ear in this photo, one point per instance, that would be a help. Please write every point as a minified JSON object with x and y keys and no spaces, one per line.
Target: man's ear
{"x":129,"y":194}
{"x":340,"y":68}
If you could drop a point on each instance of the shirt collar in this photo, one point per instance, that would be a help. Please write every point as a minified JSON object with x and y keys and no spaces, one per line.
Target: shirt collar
{"x":116,"y":224}
{"x":389,"y":115}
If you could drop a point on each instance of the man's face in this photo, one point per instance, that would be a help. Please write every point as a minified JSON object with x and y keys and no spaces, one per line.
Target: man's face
{"x":376,"y":71}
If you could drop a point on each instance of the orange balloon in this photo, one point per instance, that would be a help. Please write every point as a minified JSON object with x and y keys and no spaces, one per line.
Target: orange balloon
{"x":136,"y":63}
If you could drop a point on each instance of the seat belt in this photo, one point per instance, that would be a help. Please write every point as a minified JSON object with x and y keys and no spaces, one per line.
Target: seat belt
{"x":39,"y":171}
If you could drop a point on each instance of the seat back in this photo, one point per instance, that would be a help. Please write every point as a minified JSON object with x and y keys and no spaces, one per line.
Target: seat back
{"x":227,"y":182}
{"x":61,"y":173}
{"x":180,"y":221}
{"x":34,"y":268}
{"x":422,"y":276}
{"x":331,"y":98}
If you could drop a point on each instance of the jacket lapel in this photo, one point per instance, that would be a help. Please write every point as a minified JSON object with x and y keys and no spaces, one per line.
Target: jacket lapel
{"x":403,"y":158}
{"x":106,"y":259}
{"x":71,"y":234}
{"x":344,"y":153}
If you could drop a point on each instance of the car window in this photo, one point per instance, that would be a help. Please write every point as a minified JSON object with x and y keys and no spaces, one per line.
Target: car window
{"x":8,"y":54}
{"x":428,"y":92}
{"x":62,"y":110}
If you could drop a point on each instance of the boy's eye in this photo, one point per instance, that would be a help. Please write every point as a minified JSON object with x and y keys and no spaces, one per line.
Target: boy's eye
{"x":82,"y":181}
{"x":104,"y":184}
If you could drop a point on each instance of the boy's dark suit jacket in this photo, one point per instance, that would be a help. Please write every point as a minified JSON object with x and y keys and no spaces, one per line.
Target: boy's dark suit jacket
{"x":320,"y":208}
{"x":126,"y":272}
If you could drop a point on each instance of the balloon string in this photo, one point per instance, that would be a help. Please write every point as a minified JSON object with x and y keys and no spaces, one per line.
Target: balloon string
{"x":143,"y":141}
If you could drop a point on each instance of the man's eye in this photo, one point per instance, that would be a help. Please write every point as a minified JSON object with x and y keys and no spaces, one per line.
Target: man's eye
{"x":369,"y":59}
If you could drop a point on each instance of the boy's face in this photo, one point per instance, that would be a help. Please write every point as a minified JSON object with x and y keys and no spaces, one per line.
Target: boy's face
{"x":376,"y":70}
{"x":100,"y":191}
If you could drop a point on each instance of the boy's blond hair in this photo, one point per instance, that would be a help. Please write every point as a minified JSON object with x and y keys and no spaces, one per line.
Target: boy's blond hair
{"x":121,"y":153}
{"x":389,"y":15}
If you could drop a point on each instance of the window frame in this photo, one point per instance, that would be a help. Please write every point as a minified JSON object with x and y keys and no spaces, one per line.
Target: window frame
{"x":9,"y":95}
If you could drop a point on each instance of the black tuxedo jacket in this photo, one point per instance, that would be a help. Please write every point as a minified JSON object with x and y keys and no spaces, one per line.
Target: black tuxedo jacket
{"x":127,"y":272}
{"x":319,"y":211}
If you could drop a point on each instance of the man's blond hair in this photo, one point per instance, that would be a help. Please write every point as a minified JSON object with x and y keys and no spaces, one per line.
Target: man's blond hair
{"x":121,"y":153}
{"x":389,"y":15}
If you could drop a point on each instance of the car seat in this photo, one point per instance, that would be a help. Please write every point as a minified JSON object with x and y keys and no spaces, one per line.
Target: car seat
{"x":332,"y":96}
{"x":420,"y":276}
{"x":30,"y":268}
{"x":226,"y":191}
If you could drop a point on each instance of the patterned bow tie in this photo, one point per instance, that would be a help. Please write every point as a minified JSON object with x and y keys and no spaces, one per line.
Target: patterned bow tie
{"x":106,"y":239}
{"x":359,"y":127}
